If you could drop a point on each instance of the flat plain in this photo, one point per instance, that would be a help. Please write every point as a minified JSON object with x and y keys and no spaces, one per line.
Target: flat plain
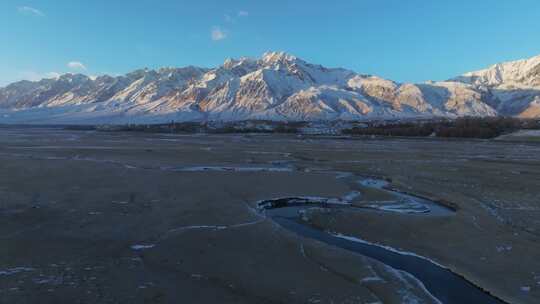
{"x":97,"y":217}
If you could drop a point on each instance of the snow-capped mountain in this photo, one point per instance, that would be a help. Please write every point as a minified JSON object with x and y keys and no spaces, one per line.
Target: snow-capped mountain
{"x":277,"y":86}
{"x":513,"y":88}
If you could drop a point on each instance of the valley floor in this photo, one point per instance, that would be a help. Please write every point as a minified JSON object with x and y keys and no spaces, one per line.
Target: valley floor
{"x":97,"y":217}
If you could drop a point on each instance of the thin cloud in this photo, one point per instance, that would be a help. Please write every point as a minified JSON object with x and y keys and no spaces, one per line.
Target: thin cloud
{"x":30,"y":11}
{"x":76,"y":65}
{"x":218,"y":34}
{"x":232,"y":18}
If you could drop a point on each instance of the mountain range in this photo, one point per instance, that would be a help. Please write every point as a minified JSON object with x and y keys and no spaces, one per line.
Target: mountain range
{"x":277,"y":86}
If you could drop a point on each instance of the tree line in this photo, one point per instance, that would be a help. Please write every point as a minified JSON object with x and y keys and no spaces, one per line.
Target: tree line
{"x":464,"y":127}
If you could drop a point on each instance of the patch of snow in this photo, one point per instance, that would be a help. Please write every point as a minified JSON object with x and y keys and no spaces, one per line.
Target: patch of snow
{"x":525,"y":288}
{"x":139,"y":247}
{"x":409,"y":297}
{"x":504,"y":248}
{"x":407,"y":207}
{"x":15,"y":270}
{"x":372,"y":279}
{"x":374,"y":183}
{"x":349,"y":197}
{"x":358,"y":240}
{"x":231,"y":169}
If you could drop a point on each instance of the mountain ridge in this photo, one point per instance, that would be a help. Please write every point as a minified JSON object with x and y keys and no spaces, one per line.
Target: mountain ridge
{"x":276,"y":86}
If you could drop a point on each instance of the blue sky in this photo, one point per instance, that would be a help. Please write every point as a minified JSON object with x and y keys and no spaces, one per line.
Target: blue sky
{"x":413,"y":40}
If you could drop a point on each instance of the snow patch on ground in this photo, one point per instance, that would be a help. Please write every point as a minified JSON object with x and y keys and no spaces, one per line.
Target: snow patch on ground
{"x":374,"y":183}
{"x":139,"y":247}
{"x":520,"y":134}
{"x":410,"y":282}
{"x":216,"y":227}
{"x":355,"y":239}
{"x":372,"y":279}
{"x":15,"y":270}
{"x":406,"y":207}
{"x":229,"y":169}
{"x":351,"y":196}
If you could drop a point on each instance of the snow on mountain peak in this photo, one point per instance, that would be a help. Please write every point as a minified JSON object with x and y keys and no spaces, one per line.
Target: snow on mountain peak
{"x":275,"y":57}
{"x":277,"y":86}
{"x":242,"y":63}
{"x":523,"y":73}
{"x":229,"y":63}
